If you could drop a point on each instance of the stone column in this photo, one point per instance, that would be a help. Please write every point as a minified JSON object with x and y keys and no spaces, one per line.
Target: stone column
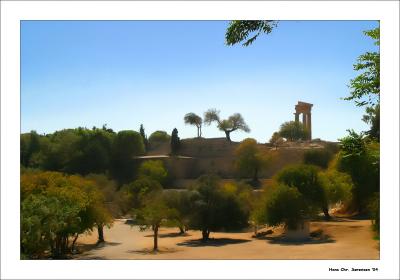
{"x":309,"y":125}
{"x":296,"y":117}
{"x":304,"y":120}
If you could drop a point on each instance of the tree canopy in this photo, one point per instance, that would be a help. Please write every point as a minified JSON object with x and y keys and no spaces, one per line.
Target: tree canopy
{"x":365,"y":88}
{"x":247,"y":31}
{"x":233,"y":123}
{"x":214,"y":208}
{"x":307,"y":180}
{"x":84,"y":151}
{"x":55,"y":207}
{"x":287,"y":206}
{"x":153,"y":169}
{"x":175,"y":142}
{"x":154,"y":214}
{"x":360,"y":158}
{"x":293,"y":131}
{"x":126,"y":146}
{"x":193,"y":119}
{"x":251,"y":159}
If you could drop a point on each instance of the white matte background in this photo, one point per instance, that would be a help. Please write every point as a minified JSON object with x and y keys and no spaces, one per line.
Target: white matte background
{"x":11,"y":14}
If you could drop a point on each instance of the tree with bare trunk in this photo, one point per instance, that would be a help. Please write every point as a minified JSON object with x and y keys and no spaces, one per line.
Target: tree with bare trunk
{"x":193,"y":119}
{"x":251,"y":159}
{"x":154,"y":214}
{"x":233,"y":123}
{"x":215,"y":208}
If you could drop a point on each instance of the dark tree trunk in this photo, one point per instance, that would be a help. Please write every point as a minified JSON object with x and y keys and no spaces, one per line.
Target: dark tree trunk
{"x":100,"y":233}
{"x":73,"y":242}
{"x":65,"y":245}
{"x":155,"y":247}
{"x":255,"y":177}
{"x":181,"y":230}
{"x":200,"y":131}
{"x":228,"y":136}
{"x":326,"y":212}
{"x":206,"y":234}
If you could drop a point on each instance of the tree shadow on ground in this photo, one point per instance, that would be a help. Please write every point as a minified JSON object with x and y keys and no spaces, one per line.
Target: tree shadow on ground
{"x":95,"y":246}
{"x":215,"y":242}
{"x":316,"y":237}
{"x":334,"y":219}
{"x":171,"y":234}
{"x":152,"y":252}
{"x":95,"y":258}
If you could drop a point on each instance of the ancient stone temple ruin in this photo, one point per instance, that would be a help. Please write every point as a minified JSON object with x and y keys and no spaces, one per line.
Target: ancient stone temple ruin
{"x":305,"y":109}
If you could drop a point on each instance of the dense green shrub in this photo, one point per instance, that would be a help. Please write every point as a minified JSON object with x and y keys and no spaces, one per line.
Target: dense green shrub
{"x":307,"y":180}
{"x":126,"y":146}
{"x":251,"y":159}
{"x":338,"y":186}
{"x":133,"y":194}
{"x":55,"y":208}
{"x":318,"y":157}
{"x":359,"y":157}
{"x":153,"y":169}
{"x":286,"y":205}
{"x":215,"y":208}
{"x":293,"y":131}
{"x":182,"y":201}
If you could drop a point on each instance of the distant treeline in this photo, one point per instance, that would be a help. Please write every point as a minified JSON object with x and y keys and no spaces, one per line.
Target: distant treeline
{"x":84,"y":151}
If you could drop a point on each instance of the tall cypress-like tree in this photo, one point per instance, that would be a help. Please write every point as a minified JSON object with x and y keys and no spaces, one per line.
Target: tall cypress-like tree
{"x":144,"y":137}
{"x":175,"y":141}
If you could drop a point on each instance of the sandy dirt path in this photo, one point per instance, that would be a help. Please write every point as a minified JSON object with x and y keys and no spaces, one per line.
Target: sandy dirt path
{"x":343,"y":239}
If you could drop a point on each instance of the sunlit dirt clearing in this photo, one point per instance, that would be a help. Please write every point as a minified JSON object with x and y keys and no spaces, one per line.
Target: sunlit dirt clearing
{"x":342,"y":239}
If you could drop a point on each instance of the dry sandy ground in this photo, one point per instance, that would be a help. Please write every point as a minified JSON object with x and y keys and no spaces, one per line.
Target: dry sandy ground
{"x":341,"y":239}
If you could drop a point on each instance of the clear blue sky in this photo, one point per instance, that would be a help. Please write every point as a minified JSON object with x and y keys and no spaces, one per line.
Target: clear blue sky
{"x":124,"y":73}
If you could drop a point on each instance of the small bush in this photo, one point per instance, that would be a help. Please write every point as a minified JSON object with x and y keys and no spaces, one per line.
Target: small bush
{"x":216,"y":207}
{"x":307,"y":180}
{"x":286,"y":205}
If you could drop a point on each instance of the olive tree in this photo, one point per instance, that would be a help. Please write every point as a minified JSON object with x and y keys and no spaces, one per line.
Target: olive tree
{"x":360,"y":158}
{"x":276,"y":139}
{"x":215,"y":209}
{"x":288,"y":206}
{"x":251,"y":159}
{"x":55,"y":208}
{"x":154,"y":214}
{"x":193,"y":119}
{"x":182,"y":201}
{"x":307,"y":180}
{"x":233,"y":123}
{"x":293,"y":131}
